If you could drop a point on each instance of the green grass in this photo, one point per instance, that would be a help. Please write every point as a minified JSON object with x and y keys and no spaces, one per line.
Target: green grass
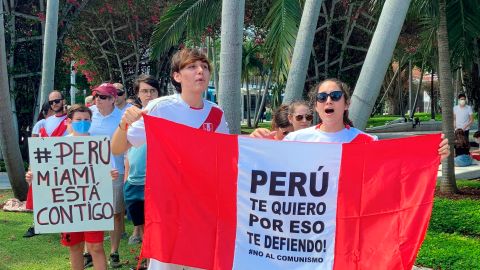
{"x":42,"y":251}
{"x":380,"y":120}
{"x":452,"y":241}
{"x":246,"y":130}
{"x":453,"y":237}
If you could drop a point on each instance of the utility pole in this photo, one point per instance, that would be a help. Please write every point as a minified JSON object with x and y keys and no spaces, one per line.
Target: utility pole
{"x":49,"y":50}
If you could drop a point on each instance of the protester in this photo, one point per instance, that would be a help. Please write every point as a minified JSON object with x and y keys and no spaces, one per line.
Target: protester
{"x":146,"y":88}
{"x":300,"y":115}
{"x":331,"y":103}
{"x":121,"y":100}
{"x":53,"y":126}
{"x":132,"y":100}
{"x":281,"y":125}
{"x":297,"y":115}
{"x":190,"y":73}
{"x":105,"y":120}
{"x":44,"y":113}
{"x":463,"y":115}
{"x":78,"y":122}
{"x":89,"y":101}
{"x":462,"y":149}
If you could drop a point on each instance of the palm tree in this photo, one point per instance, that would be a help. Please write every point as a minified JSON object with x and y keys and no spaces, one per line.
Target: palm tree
{"x":8,"y":143}
{"x":231,"y":61}
{"x":377,"y":61}
{"x":456,"y":25}
{"x":447,"y":183}
{"x":250,"y":64}
{"x":302,"y":52}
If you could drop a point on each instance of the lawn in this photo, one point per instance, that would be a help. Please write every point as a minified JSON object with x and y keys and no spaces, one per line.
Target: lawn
{"x":452,"y":241}
{"x":42,"y":251}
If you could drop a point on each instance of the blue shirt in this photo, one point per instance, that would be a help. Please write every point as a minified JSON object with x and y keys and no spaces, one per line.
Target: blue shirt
{"x":137,"y":159}
{"x":106,"y":125}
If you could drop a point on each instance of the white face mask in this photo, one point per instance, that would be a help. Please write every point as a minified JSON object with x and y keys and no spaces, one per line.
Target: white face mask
{"x":462,"y":102}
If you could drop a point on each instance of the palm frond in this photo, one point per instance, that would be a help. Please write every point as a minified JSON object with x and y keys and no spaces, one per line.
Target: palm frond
{"x":189,"y":17}
{"x":463,"y":19}
{"x":283,"y":21}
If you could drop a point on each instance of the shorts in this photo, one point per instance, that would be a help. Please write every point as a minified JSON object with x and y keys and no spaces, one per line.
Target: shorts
{"x":134,"y":200}
{"x":72,"y":238}
{"x":118,"y":201}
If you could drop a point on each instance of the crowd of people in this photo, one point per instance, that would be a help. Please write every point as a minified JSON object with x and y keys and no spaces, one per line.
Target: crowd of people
{"x":107,"y":112}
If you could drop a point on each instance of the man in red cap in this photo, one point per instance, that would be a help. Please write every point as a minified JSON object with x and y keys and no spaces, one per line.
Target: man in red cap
{"x":105,"y":120}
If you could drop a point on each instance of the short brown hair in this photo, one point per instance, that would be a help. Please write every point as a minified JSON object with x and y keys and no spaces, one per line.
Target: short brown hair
{"x":148,"y":79}
{"x":78,"y":108}
{"x":183,"y":58}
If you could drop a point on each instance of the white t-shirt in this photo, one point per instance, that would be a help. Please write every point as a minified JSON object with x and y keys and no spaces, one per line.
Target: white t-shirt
{"x":314,"y":134}
{"x":106,"y":125}
{"x":52,"y":122}
{"x":36,"y":128}
{"x":462,"y":116}
{"x":173,"y":108}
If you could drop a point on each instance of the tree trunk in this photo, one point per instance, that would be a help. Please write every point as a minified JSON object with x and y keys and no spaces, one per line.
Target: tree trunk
{"x":377,"y":60}
{"x":49,"y":50}
{"x":8,"y":143}
{"x":419,"y":88}
{"x":231,"y":61}
{"x":249,"y":102}
{"x":447,"y":181}
{"x":264,"y":97}
{"x":302,"y":51}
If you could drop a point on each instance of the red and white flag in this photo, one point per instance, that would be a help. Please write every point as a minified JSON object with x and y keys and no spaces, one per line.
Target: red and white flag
{"x":216,"y":201}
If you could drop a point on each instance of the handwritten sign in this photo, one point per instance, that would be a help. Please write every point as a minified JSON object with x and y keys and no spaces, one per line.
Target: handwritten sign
{"x":72,"y":186}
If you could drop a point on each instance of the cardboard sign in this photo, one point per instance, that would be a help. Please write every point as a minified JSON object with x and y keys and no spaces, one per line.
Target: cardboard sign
{"x":72,"y":186}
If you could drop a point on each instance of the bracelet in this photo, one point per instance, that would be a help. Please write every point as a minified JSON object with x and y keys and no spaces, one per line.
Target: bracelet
{"x":120,"y":127}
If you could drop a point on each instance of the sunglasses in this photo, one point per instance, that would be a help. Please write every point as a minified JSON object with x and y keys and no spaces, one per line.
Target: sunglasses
{"x":120,"y":94}
{"x":308,"y":117}
{"x":335,"y":96}
{"x":55,"y":101}
{"x":102,"y":97}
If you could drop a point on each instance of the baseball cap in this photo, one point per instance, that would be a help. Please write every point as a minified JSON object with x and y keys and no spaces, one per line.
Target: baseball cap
{"x":105,"y":89}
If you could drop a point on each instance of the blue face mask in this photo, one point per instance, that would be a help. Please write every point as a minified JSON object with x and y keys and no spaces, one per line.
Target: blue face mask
{"x":81,"y":127}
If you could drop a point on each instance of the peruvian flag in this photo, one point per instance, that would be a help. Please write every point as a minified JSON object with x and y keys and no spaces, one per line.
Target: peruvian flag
{"x":216,"y":201}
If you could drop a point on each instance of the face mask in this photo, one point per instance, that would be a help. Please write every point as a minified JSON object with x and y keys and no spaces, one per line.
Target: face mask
{"x":462,"y":102}
{"x":81,"y":127}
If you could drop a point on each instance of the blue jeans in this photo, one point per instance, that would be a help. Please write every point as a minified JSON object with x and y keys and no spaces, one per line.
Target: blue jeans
{"x":463,"y":160}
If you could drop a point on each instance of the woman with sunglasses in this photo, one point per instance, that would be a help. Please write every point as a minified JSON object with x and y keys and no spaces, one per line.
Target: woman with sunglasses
{"x":300,"y":115}
{"x":331,"y":103}
{"x":286,"y":118}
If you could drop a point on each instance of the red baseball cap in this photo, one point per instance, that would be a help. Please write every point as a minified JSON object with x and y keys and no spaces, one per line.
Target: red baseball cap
{"x":105,"y":89}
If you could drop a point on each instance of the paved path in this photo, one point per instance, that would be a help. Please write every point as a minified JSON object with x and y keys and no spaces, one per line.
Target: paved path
{"x":4,"y":183}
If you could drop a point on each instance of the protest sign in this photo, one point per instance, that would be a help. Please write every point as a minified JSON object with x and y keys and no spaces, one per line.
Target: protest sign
{"x":234,"y":202}
{"x":72,"y":186}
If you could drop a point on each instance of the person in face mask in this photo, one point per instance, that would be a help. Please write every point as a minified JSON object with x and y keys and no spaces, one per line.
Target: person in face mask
{"x":79,"y":119}
{"x":463,"y":115}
